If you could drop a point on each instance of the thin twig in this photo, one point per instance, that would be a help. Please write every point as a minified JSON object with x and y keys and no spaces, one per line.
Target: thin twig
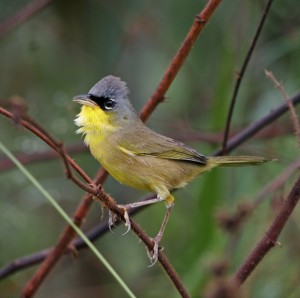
{"x":22,"y":15}
{"x":240,"y":75}
{"x":294,"y":116}
{"x":269,"y":240}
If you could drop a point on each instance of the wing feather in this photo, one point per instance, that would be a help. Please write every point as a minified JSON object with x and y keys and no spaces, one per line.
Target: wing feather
{"x":159,"y":146}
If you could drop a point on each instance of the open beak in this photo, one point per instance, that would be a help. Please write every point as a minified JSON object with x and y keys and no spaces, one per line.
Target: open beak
{"x":85,"y":99}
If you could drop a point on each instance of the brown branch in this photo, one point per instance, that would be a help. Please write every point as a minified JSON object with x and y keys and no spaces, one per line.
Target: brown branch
{"x":242,"y":72}
{"x":22,"y":15}
{"x":159,"y":94}
{"x":269,"y":240}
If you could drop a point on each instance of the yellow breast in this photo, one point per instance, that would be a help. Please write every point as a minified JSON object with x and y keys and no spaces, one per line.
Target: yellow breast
{"x":94,"y":124}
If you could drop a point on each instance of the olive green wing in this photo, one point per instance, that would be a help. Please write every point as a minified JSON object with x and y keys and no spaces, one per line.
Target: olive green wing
{"x":149,"y":143}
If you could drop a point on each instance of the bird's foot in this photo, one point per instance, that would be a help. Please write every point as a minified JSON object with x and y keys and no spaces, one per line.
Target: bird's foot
{"x":112,"y":218}
{"x":153,"y":253}
{"x":126,"y":218}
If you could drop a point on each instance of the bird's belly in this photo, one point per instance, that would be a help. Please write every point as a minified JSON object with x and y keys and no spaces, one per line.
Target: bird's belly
{"x":149,"y":173}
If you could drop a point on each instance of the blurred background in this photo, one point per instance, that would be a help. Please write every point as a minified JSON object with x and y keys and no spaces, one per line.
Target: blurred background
{"x":65,"y":49}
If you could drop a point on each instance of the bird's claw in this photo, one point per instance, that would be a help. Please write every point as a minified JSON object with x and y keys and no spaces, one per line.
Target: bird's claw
{"x":127,"y":220}
{"x":111,"y":219}
{"x":153,"y":254}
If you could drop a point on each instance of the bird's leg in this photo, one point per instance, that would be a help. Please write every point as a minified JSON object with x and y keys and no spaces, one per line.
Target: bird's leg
{"x":126,"y":207}
{"x":153,"y":255}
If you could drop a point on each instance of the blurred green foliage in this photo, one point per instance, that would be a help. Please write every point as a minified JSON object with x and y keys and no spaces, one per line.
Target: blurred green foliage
{"x":66,"y":48}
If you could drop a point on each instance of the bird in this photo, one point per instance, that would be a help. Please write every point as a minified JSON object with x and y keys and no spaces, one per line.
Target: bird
{"x":136,"y":155}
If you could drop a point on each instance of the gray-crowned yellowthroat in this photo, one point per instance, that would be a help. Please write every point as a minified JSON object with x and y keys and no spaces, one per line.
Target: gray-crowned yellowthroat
{"x":136,"y":155}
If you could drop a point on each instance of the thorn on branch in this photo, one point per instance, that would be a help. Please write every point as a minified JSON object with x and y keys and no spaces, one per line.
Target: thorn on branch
{"x":199,"y":19}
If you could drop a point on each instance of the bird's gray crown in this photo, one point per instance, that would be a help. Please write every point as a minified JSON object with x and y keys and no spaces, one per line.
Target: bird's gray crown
{"x":110,"y":87}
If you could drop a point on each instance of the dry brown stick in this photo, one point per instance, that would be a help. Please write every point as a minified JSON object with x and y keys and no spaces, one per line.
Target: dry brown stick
{"x":22,"y":15}
{"x":269,"y":240}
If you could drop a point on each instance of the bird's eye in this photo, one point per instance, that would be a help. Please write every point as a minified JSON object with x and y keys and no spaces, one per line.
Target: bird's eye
{"x":109,"y":104}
